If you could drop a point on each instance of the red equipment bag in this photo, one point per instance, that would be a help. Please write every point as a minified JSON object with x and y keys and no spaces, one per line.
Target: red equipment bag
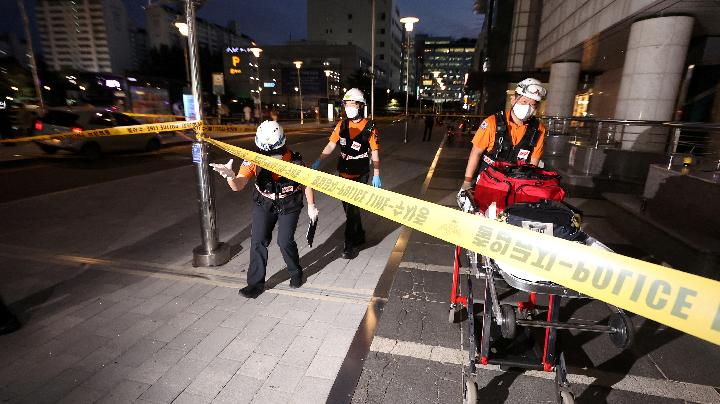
{"x":506,"y":184}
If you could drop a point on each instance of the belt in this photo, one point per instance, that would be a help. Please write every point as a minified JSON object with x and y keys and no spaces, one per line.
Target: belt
{"x":349,"y":157}
{"x":279,"y":196}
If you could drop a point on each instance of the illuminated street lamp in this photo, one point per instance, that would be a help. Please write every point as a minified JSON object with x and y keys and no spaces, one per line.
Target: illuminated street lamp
{"x":256,"y":52}
{"x":182,"y":26}
{"x":409,"y":22}
{"x":298,"y":64}
{"x":327,"y":83}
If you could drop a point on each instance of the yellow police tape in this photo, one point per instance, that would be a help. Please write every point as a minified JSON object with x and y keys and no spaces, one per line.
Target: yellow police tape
{"x":678,"y":299}
{"x":114,"y":131}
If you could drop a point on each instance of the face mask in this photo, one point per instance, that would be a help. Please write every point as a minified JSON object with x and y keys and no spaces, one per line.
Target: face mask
{"x":523,"y":112}
{"x":351,"y":112}
{"x":277,"y":156}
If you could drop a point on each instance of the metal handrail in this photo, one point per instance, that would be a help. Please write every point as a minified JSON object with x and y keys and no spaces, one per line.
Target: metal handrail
{"x":691,"y":138}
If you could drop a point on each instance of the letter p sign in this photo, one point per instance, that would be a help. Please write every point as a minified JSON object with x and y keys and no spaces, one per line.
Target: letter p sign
{"x":235,"y":60}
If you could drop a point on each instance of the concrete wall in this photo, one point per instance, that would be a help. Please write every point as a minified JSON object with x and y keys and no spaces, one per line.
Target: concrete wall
{"x":567,"y":24}
{"x":605,"y":94}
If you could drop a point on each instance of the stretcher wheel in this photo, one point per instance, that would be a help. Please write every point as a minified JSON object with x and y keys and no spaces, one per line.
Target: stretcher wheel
{"x":507,"y":324}
{"x":624,"y":332}
{"x":471,"y":392}
{"x":457,"y":314}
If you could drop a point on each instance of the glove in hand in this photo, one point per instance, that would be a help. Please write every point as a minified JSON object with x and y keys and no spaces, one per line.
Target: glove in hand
{"x":224,"y":169}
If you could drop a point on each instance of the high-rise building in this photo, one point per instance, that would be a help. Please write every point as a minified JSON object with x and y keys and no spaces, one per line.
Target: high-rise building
{"x":446,"y":63}
{"x":85,"y":35}
{"x":161,"y":30}
{"x":351,"y":24}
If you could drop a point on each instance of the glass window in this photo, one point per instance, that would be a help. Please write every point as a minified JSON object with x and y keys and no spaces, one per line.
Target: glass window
{"x":102,"y":119}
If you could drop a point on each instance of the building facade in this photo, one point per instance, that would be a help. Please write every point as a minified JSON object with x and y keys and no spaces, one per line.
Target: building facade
{"x":446,"y":63}
{"x":161,"y":30}
{"x":279,"y":75}
{"x":85,"y":35}
{"x":351,"y":24}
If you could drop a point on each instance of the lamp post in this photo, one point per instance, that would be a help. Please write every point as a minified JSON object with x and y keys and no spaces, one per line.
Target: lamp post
{"x":182,"y":26}
{"x":256,"y":52}
{"x":298,"y":64}
{"x":211,"y":252}
{"x":408,"y":22}
{"x":31,"y":56}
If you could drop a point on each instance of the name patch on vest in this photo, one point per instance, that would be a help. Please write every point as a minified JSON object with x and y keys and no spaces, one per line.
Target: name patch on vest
{"x":289,"y":188}
{"x":488,"y":160}
{"x":355,"y":146}
{"x":523,"y":154}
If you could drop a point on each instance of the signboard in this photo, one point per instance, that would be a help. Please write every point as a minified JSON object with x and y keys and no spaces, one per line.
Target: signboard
{"x":218,"y":84}
{"x":196,"y":153}
{"x":237,"y":71}
{"x":189,"y":107}
{"x":3,"y":105}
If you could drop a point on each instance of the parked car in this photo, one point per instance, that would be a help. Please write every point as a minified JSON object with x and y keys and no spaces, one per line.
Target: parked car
{"x":78,"y":119}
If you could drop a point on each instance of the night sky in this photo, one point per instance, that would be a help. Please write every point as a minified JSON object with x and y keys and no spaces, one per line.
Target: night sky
{"x":273,"y":22}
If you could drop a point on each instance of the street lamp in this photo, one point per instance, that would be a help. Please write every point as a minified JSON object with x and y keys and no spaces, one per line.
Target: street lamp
{"x":298,"y":64}
{"x":327,"y":83}
{"x":182,"y":26}
{"x":256,"y":52}
{"x":408,"y":22}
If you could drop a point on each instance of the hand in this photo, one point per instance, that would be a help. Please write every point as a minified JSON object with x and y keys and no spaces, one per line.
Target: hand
{"x":224,"y":169}
{"x":465,"y":185}
{"x":315,"y":165}
{"x":376,"y":181}
{"x":313,"y":212}
{"x":464,"y":202}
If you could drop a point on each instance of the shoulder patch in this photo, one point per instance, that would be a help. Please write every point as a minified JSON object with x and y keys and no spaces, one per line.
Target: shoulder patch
{"x":484,"y":124}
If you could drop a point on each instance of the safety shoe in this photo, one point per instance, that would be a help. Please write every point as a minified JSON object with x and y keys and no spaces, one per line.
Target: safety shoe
{"x":350,"y":252}
{"x":296,"y":282}
{"x":252,"y":292}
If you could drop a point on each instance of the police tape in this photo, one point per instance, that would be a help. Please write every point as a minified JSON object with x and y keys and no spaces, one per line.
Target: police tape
{"x":114,"y":131}
{"x":678,"y":299}
{"x":154,"y":115}
{"x":144,"y":129}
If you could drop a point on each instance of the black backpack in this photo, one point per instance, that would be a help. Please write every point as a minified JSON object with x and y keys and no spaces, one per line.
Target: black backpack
{"x":548,"y":217}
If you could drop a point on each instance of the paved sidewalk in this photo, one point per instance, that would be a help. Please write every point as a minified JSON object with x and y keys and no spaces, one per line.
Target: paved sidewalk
{"x":114,"y":312}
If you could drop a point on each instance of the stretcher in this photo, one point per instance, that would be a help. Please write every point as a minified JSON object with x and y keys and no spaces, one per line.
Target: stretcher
{"x":520,"y":333}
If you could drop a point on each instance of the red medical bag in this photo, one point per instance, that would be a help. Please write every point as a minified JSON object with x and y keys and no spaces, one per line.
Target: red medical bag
{"x":506,"y":184}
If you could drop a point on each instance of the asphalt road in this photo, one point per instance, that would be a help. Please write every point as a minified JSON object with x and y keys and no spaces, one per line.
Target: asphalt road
{"x":41,"y":173}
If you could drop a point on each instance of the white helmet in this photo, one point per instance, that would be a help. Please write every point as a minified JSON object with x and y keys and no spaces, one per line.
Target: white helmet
{"x":531,"y":88}
{"x":269,"y":136}
{"x":354,"y":94}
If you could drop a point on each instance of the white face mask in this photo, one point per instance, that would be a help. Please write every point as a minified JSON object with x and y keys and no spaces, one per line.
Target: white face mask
{"x":523,"y":111}
{"x":351,"y":112}
{"x":277,"y":156}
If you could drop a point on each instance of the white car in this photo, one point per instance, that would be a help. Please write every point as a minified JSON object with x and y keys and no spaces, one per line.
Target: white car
{"x":78,"y":119}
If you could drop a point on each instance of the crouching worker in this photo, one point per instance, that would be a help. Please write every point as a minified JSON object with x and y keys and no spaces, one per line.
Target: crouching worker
{"x":277,"y":199}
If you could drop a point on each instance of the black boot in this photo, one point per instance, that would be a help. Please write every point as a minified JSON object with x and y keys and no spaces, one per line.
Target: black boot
{"x":252,"y":292}
{"x":349,"y":251}
{"x":296,"y":282}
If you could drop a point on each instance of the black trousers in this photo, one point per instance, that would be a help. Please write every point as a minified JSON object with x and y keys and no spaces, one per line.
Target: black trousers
{"x":354,"y":233}
{"x":427,"y":133}
{"x":263,"y":223}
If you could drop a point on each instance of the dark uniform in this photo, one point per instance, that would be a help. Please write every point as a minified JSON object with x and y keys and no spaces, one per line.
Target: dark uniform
{"x":503,"y":148}
{"x":354,"y":164}
{"x":277,"y":200}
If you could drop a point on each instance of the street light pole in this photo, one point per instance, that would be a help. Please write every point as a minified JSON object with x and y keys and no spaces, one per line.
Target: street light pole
{"x":31,"y":55}
{"x":256,"y":51}
{"x":409,"y":22}
{"x":211,"y":252}
{"x":298,"y":64}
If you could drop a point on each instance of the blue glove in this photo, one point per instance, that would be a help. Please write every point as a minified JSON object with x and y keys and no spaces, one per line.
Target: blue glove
{"x":316,"y":164}
{"x":376,"y":181}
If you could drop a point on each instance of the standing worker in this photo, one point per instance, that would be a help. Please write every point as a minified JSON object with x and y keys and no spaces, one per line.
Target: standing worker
{"x":277,"y":199}
{"x":429,"y":122}
{"x":513,"y":136}
{"x":358,"y":140}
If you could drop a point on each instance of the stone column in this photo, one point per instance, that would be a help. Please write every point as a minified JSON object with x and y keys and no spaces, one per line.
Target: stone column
{"x":651,"y":78}
{"x":563,"y":85}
